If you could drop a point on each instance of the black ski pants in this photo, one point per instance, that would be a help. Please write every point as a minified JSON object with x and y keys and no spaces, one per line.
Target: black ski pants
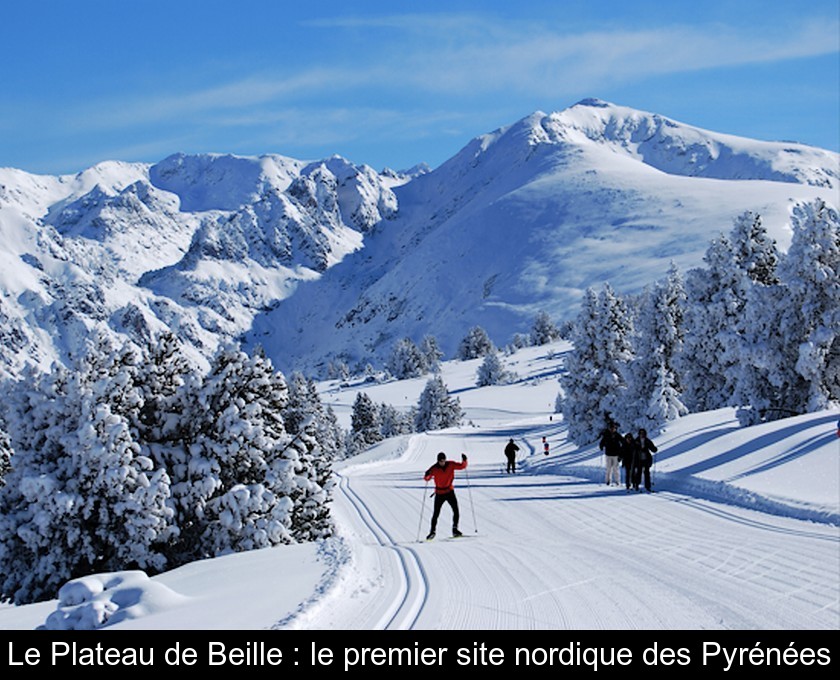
{"x":638,"y":472}
{"x":440,"y":499}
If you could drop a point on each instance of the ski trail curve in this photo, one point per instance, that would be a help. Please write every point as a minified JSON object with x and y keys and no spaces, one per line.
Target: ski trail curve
{"x":414,"y":587}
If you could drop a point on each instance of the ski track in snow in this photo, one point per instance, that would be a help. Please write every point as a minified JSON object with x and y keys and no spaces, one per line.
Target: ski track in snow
{"x":413,"y":587}
{"x":560,"y":551}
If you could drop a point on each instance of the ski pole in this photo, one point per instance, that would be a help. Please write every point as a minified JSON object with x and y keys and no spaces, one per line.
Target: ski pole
{"x":472,"y":506}
{"x":422,"y":508}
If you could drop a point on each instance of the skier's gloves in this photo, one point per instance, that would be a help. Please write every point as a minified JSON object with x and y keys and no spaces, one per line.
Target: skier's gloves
{"x":464,"y":457}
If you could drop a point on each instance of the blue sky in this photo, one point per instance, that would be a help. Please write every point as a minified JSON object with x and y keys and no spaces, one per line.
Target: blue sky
{"x":93,"y":80}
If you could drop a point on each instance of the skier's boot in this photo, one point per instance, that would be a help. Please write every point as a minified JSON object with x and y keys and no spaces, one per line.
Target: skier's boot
{"x":430,"y":536}
{"x":456,"y":533}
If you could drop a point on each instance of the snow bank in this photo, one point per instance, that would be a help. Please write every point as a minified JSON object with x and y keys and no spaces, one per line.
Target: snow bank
{"x":99,"y":600}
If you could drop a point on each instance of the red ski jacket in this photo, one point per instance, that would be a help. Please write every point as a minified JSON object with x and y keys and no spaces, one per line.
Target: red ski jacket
{"x":444,"y":475}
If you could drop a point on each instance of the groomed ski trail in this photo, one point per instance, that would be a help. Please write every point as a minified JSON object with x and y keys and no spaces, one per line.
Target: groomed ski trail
{"x":558,"y":551}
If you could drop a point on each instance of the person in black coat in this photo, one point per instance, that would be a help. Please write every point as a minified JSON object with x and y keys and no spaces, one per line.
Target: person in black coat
{"x":611,"y":444}
{"x":510,"y":454}
{"x":645,"y":450}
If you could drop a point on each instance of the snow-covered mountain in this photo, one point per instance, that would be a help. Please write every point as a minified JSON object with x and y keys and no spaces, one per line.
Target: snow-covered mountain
{"x":195,"y":244}
{"x":527,"y":217}
{"x":325,"y":259}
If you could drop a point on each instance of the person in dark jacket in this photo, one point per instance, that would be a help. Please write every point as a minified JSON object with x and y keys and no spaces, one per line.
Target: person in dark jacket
{"x":645,"y":450}
{"x":612,"y":444}
{"x":510,"y":454}
{"x":443,"y":472}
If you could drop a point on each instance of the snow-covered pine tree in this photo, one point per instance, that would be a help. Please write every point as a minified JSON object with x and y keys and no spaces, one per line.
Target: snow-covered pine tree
{"x":492,"y":371}
{"x":312,"y":485}
{"x":436,"y":409}
{"x":559,"y":401}
{"x":365,"y":426}
{"x":164,"y":375}
{"x":476,"y":343}
{"x":651,"y":395}
{"x":406,"y":360}
{"x":616,"y":348}
{"x":755,"y":252}
{"x":299,"y":408}
{"x":664,"y":404}
{"x":304,"y":406}
{"x":431,"y":352}
{"x":316,"y":442}
{"x":578,"y":399}
{"x":517,"y":342}
{"x":239,"y":491}
{"x":332,"y":436}
{"x":82,"y":496}
{"x":394,"y":423}
{"x":811,"y":271}
{"x":592,"y":380}
{"x":338,"y":370}
{"x":543,"y":329}
{"x":715,"y":299}
{"x":790,"y":339}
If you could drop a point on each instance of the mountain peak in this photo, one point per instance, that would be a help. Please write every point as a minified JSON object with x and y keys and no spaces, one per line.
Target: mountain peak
{"x":593,"y":102}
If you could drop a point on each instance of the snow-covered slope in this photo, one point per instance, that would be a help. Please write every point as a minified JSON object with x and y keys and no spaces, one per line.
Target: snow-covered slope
{"x":741,"y":533}
{"x":527,"y":217}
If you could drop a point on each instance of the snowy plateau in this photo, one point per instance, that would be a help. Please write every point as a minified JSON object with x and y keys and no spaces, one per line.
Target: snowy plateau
{"x":740,"y":533}
{"x":320,"y":262}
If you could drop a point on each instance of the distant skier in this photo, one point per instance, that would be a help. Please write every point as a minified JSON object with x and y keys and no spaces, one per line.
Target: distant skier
{"x":510,"y":454}
{"x":611,"y":444}
{"x":443,"y":472}
{"x":645,"y":450}
{"x":545,"y":446}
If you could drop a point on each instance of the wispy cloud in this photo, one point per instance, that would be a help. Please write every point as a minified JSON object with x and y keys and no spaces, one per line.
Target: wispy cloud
{"x":536,"y":59}
{"x":400,"y":77}
{"x":467,"y":55}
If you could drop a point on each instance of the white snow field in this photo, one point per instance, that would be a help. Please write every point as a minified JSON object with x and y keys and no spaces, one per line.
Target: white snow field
{"x":742,"y":532}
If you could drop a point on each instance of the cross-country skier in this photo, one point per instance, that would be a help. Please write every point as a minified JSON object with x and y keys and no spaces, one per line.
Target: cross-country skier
{"x":510,"y":454}
{"x":443,"y":472}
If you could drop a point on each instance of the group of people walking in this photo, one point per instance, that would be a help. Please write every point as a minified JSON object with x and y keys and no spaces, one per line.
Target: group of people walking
{"x":634,"y":454}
